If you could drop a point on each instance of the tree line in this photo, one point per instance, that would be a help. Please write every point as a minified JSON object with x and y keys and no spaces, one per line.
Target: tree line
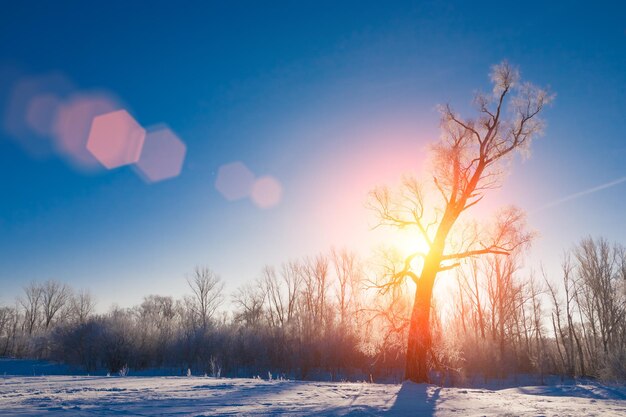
{"x":325,"y":317}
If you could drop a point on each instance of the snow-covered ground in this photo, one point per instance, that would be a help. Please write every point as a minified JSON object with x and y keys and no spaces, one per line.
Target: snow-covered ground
{"x":201,"y":396}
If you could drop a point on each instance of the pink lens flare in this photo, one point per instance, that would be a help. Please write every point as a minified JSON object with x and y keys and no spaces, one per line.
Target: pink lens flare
{"x":266,"y":192}
{"x":116,"y":139}
{"x":72,"y":126}
{"x":162,"y":156}
{"x":234,"y":181}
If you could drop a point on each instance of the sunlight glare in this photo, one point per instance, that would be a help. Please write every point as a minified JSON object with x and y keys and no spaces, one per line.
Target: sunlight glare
{"x":408,"y":242}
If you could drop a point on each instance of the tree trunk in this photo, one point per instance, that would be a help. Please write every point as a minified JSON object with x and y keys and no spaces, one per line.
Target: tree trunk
{"x":420,"y":342}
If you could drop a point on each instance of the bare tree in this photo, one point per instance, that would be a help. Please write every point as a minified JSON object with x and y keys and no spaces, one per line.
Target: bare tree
{"x":274,"y":296}
{"x":565,"y":332}
{"x":488,"y":302}
{"x":159,"y":312}
{"x":207,"y":289}
{"x":467,"y":162}
{"x":505,"y":296}
{"x":556,"y":316}
{"x":82,"y":305}
{"x":249,"y":298}
{"x":291,"y":273}
{"x":348,"y":274}
{"x":314,"y":292}
{"x":9,"y":322}
{"x":55,"y":296}
{"x":602,"y":303}
{"x":473,"y":288}
{"x":32,"y":302}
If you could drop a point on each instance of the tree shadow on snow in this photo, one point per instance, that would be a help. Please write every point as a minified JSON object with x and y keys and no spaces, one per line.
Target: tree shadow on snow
{"x":411,"y":400}
{"x":415,"y":399}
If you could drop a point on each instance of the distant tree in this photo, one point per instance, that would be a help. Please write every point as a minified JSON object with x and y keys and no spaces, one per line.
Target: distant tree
{"x":32,"y":303}
{"x":291,"y":274}
{"x":274,"y":296}
{"x":314,"y":294}
{"x":468,"y":160}
{"x":600,"y":296}
{"x":567,"y":340}
{"x":249,"y":300}
{"x":55,"y":297}
{"x":9,"y":320}
{"x":82,"y":305}
{"x":207,"y":289}
{"x":348,"y":280}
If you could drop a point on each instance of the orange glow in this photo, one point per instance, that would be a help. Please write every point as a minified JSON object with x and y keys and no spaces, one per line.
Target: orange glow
{"x":337,"y":196}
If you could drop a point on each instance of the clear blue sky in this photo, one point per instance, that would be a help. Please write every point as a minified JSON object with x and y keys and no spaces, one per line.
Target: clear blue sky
{"x":330,"y":98}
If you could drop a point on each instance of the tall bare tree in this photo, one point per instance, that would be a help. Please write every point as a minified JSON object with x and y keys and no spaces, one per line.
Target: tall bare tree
{"x":207,"y":289}
{"x":468,"y":160}
{"x":32,"y":304}
{"x":348,"y":275}
{"x":600,"y":270}
{"x":274,"y":295}
{"x":249,"y":299}
{"x":55,"y":297}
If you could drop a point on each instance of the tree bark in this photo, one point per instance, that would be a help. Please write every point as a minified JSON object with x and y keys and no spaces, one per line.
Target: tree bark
{"x":420,"y":341}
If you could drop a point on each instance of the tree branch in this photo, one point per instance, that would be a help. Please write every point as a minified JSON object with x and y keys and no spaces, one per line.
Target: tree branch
{"x":490,"y":250}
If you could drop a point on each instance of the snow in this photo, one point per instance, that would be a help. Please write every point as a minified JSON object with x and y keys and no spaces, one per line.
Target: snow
{"x":202,"y":396}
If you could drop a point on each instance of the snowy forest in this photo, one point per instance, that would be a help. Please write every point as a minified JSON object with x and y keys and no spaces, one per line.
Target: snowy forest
{"x":326,"y":318}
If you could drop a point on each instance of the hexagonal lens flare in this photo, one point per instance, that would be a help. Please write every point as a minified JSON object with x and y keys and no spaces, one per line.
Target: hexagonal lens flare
{"x":266,"y":192}
{"x":162,"y":155}
{"x":116,"y":139}
{"x":234,"y":181}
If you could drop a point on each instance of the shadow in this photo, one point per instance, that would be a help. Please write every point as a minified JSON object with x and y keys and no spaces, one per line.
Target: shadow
{"x":415,"y":399}
{"x":593,"y":391}
{"x":411,"y":400}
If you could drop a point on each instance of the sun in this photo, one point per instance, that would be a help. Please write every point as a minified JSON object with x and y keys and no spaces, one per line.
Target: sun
{"x":408,"y":242}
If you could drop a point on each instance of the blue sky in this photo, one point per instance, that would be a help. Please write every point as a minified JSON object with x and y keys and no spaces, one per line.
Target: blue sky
{"x":320,"y":95}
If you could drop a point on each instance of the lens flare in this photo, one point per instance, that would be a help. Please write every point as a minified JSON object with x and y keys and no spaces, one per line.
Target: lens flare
{"x":162,"y":156}
{"x":116,"y":139}
{"x":72,"y":127}
{"x":234,"y":181}
{"x":266,"y":192}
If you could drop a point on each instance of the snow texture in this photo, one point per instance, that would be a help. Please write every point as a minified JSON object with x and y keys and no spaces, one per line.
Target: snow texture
{"x":202,"y":396}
